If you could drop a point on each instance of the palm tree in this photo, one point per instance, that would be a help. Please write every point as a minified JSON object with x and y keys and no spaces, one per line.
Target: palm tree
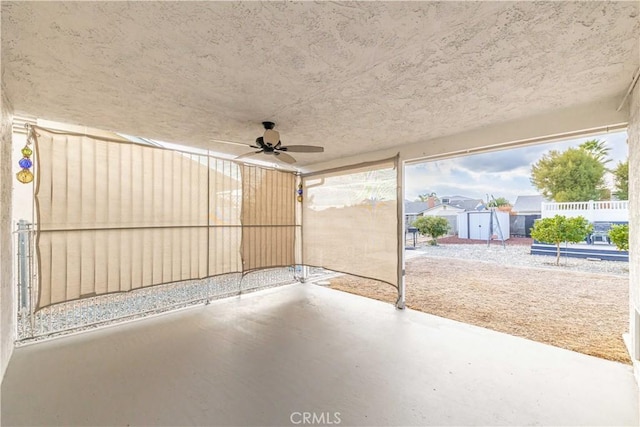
{"x":597,"y":149}
{"x":425,"y":197}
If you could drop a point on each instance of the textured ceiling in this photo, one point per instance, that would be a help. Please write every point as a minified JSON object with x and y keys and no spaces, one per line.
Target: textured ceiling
{"x":350,"y":76}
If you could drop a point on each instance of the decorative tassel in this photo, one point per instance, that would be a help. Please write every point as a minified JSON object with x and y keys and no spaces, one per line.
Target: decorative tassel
{"x":25,"y":176}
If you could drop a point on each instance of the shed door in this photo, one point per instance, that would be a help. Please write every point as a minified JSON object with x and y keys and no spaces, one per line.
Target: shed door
{"x":478,"y":227}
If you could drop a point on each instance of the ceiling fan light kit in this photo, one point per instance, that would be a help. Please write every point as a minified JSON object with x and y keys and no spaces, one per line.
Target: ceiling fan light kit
{"x":271,"y":137}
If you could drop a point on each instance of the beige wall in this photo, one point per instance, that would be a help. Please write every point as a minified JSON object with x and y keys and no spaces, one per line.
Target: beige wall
{"x":6,"y":247}
{"x":634,"y":218}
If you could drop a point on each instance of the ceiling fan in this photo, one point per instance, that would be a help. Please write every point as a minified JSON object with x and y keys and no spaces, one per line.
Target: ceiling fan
{"x":269,"y":143}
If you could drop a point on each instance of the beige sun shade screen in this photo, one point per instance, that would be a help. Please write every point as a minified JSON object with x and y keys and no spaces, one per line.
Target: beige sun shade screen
{"x":268,"y":218}
{"x":117,"y":216}
{"x":350,"y":221}
{"x":225,"y":207}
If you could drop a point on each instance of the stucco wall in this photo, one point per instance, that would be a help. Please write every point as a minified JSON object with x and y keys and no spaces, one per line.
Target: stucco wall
{"x":6,"y":247}
{"x":634,"y":214}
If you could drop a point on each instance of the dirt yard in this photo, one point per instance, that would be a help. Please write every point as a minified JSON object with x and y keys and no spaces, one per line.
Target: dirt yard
{"x":584,"y":312}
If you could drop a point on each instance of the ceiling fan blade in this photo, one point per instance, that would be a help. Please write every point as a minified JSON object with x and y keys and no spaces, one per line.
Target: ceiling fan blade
{"x":253,"y":153}
{"x":222,"y":141}
{"x":284,"y":157}
{"x":302,"y":149}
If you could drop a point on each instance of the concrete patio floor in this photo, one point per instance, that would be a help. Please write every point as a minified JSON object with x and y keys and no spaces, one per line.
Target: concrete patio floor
{"x":259,"y":358}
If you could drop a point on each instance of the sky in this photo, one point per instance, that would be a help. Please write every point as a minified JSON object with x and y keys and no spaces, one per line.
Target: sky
{"x":500,"y":173}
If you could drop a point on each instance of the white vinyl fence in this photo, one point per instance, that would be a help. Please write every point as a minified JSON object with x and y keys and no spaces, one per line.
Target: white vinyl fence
{"x":606,"y":211}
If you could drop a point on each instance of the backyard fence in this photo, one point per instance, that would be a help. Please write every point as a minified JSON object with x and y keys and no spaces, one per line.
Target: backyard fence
{"x":612,"y":210}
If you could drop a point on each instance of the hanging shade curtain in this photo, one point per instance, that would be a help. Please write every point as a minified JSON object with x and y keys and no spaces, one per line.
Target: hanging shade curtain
{"x":268,"y":218}
{"x":115,"y":216}
{"x":350,"y":221}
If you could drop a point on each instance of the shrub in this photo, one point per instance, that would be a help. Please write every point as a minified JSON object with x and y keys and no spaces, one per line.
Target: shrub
{"x":561,"y":229}
{"x":434,"y":226}
{"x":619,"y":235}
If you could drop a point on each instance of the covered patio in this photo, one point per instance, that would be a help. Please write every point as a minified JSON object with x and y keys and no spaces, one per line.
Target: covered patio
{"x":377,"y":85}
{"x":269,"y":357}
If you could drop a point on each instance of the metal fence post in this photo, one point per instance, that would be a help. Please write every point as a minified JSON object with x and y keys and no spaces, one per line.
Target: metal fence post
{"x":24,"y":228}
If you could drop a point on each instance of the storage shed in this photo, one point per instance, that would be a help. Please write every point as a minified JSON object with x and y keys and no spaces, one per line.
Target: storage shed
{"x":480,"y":225}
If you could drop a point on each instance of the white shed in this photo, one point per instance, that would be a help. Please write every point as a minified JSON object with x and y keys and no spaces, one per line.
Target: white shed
{"x":479,"y":225}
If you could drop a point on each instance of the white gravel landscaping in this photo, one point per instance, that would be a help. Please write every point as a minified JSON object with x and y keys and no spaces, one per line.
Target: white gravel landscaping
{"x":519,"y":256}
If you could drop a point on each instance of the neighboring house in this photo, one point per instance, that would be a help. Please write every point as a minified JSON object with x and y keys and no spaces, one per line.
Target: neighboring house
{"x":466,"y":203}
{"x":412,"y":210}
{"x":528,"y":205}
{"x":446,"y":211}
{"x":449,"y":208}
{"x":525,"y":212}
{"x":451,"y":199}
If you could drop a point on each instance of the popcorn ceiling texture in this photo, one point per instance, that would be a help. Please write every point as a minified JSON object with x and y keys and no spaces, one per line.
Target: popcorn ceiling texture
{"x":353,"y":77}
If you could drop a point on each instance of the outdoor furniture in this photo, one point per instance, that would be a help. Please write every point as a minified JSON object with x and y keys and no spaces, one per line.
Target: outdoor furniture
{"x":414,"y":232}
{"x":600,"y":233}
{"x":601,"y":230}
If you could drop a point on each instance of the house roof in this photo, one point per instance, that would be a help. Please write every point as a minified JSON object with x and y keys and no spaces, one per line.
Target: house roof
{"x":528,"y":203}
{"x":453,"y":209}
{"x":414,"y":208}
{"x":466,"y":203}
{"x":451,"y":198}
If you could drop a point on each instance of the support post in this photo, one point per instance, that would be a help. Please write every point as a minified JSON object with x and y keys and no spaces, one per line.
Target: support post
{"x":400,"y":303}
{"x":490,"y":234}
{"x":304,"y":273}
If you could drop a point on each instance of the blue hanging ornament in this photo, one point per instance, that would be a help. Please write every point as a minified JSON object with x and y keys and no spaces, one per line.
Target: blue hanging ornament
{"x":25,"y":163}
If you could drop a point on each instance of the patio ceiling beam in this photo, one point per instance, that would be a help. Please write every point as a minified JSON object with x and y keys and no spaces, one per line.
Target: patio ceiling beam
{"x":581,"y":120}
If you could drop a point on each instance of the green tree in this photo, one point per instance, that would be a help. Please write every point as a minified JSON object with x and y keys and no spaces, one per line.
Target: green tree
{"x":570,"y":176}
{"x":597,"y":149}
{"x":619,"y":235}
{"x":500,"y":201}
{"x":561,"y":229}
{"x":434,"y":226}
{"x":621,"y":180}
